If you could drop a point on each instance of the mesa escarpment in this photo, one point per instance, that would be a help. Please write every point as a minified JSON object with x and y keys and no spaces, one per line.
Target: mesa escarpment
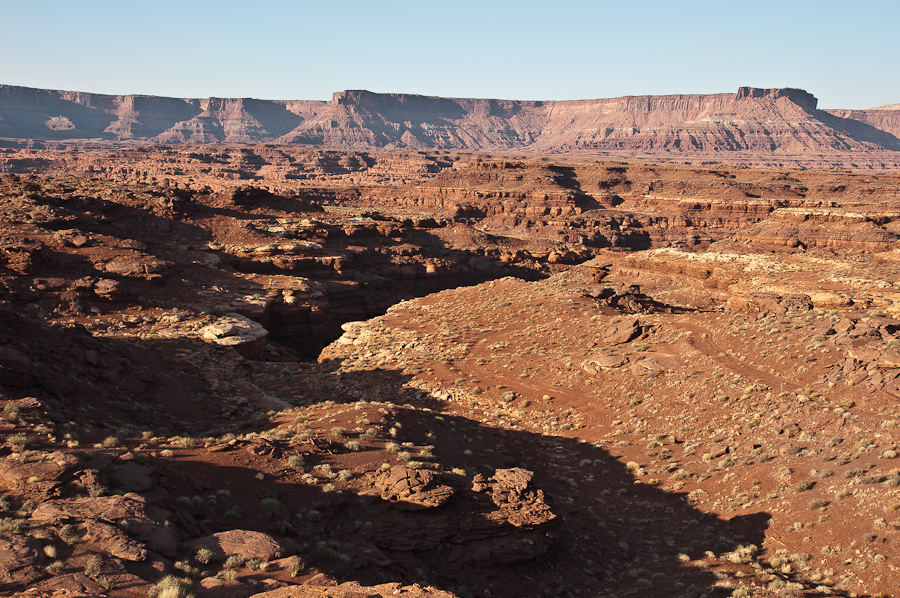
{"x":532,"y":376}
{"x":885,"y":118}
{"x":752,"y":126}
{"x":533,"y":205}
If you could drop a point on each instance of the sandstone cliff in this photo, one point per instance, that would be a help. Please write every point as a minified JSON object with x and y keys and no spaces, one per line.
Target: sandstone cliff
{"x":885,"y":118}
{"x":773,"y":122}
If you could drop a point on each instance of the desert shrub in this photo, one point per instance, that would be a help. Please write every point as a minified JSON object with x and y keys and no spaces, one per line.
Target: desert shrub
{"x":27,"y":509}
{"x":68,"y":534}
{"x":235,"y":561}
{"x":111,"y":441}
{"x":93,"y":567}
{"x":296,"y":462}
{"x":328,"y":551}
{"x":326,"y":470}
{"x":172,"y":586}
{"x":204,"y":556}
{"x":234,"y":513}
{"x":804,"y":486}
{"x":743,"y":554}
{"x":272,"y":506}
{"x":11,"y":526}
{"x":253,"y":564}
{"x":186,"y":568}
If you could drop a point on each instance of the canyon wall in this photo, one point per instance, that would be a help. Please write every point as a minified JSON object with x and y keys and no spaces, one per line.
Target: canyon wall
{"x":762,"y":122}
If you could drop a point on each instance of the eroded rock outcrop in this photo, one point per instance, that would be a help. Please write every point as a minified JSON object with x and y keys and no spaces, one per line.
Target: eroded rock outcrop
{"x":105,"y":520}
{"x":245,"y":543}
{"x":499,"y":521}
{"x":238,"y":332}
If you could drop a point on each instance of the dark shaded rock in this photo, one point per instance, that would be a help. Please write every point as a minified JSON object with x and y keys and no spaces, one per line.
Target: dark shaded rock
{"x":132,"y":477}
{"x":15,"y":367}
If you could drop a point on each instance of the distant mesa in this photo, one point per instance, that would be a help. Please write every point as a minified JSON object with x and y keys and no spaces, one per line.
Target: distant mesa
{"x":760,"y":121}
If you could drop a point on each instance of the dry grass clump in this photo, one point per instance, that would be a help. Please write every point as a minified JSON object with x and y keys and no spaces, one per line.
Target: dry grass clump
{"x":172,"y":586}
{"x":743,"y":553}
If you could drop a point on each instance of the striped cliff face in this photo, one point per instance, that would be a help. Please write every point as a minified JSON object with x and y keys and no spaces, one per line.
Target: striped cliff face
{"x":770,"y":122}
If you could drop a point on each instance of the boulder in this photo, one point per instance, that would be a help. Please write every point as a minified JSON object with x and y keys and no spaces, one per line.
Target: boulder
{"x":412,"y":489}
{"x":238,"y":332}
{"x":246,"y":543}
{"x":132,"y":477}
{"x":889,"y":359}
{"x":114,"y":541}
{"x":139,"y":267}
{"x":622,"y":332}
{"x":604,"y":362}
{"x":108,"y":288}
{"x":130,"y":512}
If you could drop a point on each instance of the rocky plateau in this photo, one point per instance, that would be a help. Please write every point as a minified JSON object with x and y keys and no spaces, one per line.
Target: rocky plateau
{"x":282,"y":371}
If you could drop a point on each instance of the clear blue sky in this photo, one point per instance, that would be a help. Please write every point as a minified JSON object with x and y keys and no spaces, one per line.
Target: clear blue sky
{"x":845,"y":53}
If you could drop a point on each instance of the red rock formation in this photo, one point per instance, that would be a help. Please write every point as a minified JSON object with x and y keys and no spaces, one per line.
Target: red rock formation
{"x":885,"y":118}
{"x":769,"y":122}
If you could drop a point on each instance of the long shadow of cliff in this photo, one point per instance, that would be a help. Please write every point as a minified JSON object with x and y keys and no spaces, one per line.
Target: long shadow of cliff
{"x":859,"y":130}
{"x":611,"y":531}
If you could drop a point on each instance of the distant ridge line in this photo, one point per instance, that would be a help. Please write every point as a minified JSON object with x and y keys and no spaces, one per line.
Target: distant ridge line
{"x":783,"y":121}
